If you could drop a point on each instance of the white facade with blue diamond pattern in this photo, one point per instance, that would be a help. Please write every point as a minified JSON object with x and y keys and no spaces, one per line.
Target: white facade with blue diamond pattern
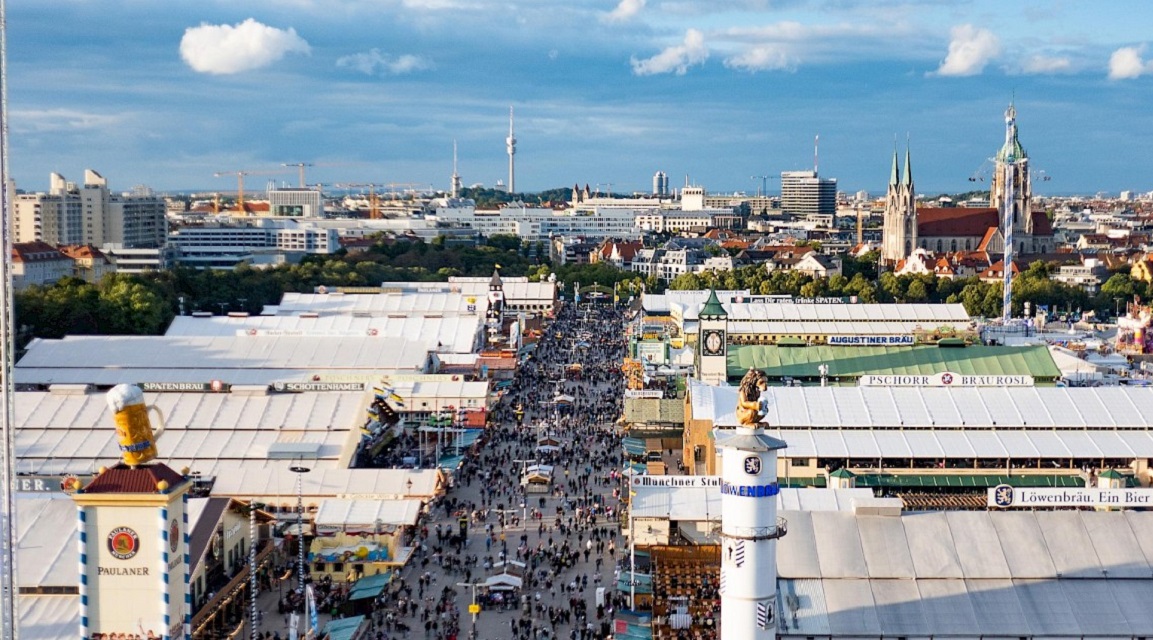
{"x":749,"y":531}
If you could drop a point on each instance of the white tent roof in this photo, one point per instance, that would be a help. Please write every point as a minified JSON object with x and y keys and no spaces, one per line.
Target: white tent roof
{"x":967,"y":573}
{"x":457,"y":334}
{"x":278,"y":482}
{"x":46,"y":531}
{"x":704,"y":503}
{"x":401,"y":304}
{"x":49,"y":617}
{"x":336,"y":512}
{"x":235,"y":360}
{"x":937,"y":408}
{"x":74,"y":433}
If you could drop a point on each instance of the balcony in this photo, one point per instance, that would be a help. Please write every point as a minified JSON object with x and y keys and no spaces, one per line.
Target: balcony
{"x":226,"y":591}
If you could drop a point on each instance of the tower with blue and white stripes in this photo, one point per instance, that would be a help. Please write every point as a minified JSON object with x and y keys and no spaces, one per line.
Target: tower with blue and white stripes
{"x":132,"y":536}
{"x":749,"y":532}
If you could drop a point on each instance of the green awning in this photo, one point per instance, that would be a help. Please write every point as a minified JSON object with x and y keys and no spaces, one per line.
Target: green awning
{"x":852,"y":362}
{"x":804,"y":483}
{"x":982,"y":481}
{"x":343,"y":628}
{"x":370,"y":586}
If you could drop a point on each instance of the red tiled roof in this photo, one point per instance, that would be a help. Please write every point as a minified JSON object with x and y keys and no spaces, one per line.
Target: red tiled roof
{"x":496,"y":363}
{"x":964,"y":221}
{"x":125,"y":479}
{"x":473,"y":419}
{"x":1041,"y":224}
{"x":36,"y":251}
{"x":81,"y":252}
{"x":954,"y":221}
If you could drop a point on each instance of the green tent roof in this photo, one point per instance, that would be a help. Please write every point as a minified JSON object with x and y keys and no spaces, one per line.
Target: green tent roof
{"x":858,"y":361}
{"x":975,"y":481}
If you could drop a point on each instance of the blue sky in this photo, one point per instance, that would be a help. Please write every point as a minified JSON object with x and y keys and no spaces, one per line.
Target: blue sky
{"x":165,"y":93}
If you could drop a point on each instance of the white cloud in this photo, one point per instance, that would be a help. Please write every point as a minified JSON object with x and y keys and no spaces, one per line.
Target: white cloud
{"x":373,"y":62}
{"x":1126,"y":63}
{"x":222,"y":49}
{"x":677,"y":58}
{"x":58,"y":120}
{"x":769,"y":57}
{"x":624,"y":11}
{"x":970,"y":50}
{"x":1040,"y":64}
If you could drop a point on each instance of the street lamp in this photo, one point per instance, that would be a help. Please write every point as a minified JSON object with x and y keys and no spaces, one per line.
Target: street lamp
{"x":300,"y":470}
{"x":473,"y":608}
{"x":524,"y":491}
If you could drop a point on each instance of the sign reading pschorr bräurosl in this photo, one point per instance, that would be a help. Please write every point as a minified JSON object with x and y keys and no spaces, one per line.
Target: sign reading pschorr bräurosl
{"x":946,"y":379}
{"x":1007,"y":496}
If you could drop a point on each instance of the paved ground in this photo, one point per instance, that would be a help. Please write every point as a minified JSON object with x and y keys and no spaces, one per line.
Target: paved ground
{"x":572,"y":555}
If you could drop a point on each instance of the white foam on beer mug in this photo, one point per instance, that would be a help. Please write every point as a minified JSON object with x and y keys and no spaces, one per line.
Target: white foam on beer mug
{"x":123,"y":395}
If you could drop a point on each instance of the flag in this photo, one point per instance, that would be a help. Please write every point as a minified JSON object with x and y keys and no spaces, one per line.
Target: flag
{"x":313,"y":618}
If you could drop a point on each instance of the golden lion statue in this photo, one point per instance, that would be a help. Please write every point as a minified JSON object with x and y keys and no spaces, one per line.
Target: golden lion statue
{"x":750,"y":410}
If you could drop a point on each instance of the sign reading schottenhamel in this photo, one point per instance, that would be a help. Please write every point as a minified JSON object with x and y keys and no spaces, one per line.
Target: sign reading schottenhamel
{"x":946,"y":379}
{"x":871,"y":341}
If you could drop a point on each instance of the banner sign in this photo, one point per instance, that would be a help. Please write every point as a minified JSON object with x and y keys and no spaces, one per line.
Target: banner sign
{"x":945,"y":379}
{"x":1007,"y":496}
{"x":297,"y":387}
{"x":871,"y":341}
{"x":792,"y":300}
{"x":216,"y":386}
{"x":676,"y":481}
{"x":644,"y":393}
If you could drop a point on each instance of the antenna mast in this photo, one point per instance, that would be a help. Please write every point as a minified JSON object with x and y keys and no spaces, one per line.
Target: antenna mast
{"x":510,"y":142}
{"x":816,"y":144}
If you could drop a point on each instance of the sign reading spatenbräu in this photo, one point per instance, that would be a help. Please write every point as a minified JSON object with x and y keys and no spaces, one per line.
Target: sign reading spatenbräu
{"x":1007,"y":496}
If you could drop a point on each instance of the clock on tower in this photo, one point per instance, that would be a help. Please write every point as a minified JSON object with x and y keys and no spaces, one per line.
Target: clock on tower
{"x":714,"y":342}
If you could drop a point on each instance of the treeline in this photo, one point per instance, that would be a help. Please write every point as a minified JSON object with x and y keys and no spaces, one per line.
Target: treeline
{"x":145,"y":304}
{"x":980,"y":298}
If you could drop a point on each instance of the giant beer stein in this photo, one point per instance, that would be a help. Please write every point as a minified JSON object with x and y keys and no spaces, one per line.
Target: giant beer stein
{"x":133,"y":429}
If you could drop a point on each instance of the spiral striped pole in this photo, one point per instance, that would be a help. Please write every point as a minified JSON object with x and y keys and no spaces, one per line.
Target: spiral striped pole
{"x":165,"y":595}
{"x":252,"y":565}
{"x":187,"y":574}
{"x":82,"y":542}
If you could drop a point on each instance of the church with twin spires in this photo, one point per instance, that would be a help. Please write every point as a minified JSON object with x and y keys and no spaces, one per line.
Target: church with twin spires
{"x":964,"y":229}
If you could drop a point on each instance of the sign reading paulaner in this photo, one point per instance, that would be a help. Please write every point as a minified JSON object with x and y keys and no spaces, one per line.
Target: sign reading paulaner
{"x":946,"y":379}
{"x":1006,"y":496}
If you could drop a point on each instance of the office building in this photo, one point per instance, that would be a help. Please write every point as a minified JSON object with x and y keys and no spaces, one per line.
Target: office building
{"x":804,"y":192}
{"x":295,"y":203}
{"x":90,"y":214}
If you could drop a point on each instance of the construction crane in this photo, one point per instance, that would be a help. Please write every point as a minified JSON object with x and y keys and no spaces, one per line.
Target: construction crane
{"x":300,"y":166}
{"x":373,"y":205}
{"x":240,"y":182}
{"x":764,"y":184}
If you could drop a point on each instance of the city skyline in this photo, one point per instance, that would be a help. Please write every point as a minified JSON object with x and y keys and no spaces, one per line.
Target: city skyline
{"x":606,"y":92}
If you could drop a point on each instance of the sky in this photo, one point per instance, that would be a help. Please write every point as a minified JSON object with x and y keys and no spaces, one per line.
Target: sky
{"x":606,"y":92}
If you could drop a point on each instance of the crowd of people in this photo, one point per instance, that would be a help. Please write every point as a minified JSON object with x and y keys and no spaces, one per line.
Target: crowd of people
{"x":561,"y":545}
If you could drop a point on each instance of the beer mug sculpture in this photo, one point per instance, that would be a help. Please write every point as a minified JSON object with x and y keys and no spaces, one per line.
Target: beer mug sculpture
{"x":133,"y":429}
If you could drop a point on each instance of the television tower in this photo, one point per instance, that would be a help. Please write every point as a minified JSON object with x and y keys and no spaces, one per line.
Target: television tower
{"x":510,"y":142}
{"x":454,"y":191}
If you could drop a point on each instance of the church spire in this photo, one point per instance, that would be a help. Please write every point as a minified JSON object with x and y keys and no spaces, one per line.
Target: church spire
{"x":908,"y":179}
{"x":895,"y":176}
